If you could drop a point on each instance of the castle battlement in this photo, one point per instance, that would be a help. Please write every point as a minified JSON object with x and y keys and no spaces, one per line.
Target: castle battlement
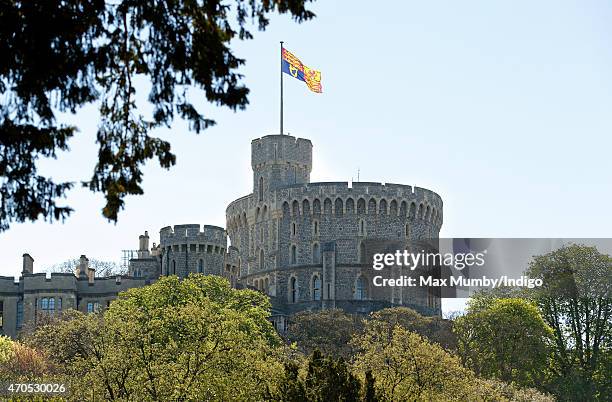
{"x":192,"y":233}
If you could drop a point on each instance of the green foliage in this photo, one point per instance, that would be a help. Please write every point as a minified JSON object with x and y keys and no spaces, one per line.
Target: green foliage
{"x":6,"y":349}
{"x":325,"y":379}
{"x":60,"y":56}
{"x":408,"y":367}
{"x":506,"y":339}
{"x":329,"y":331}
{"x":434,"y":329}
{"x":195,"y":339}
{"x":576,"y":302}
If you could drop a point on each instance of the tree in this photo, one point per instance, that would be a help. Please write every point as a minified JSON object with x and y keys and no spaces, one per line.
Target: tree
{"x":329,"y":331}
{"x":575,"y":301}
{"x":505,"y":339}
{"x":103,"y":268}
{"x":195,"y":339}
{"x":435,"y":329}
{"x":408,"y":367}
{"x":325,"y":379}
{"x":60,"y":56}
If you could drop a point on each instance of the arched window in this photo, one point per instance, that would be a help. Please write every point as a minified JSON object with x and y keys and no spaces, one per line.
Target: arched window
{"x":305,"y":207}
{"x":52,"y":303}
{"x":339,"y":206}
{"x":361,"y":208}
{"x":372,"y":206}
{"x":412,"y":210}
{"x":293,"y":290}
{"x":262,"y":261}
{"x":261,"y":186}
{"x":316,"y":288}
{"x":350,"y":206}
{"x":362,"y":253}
{"x":293,"y":254}
{"x":316,"y":253}
{"x":295,"y":209}
{"x":421,"y":211}
{"x":360,"y":289}
{"x":44,"y":303}
{"x":382,"y":207}
{"x":316,"y":206}
{"x":393,"y":208}
{"x":201,"y":266}
{"x":327,"y":206}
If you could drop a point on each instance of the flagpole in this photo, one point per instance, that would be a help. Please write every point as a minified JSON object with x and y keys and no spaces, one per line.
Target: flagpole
{"x":281,"y":89}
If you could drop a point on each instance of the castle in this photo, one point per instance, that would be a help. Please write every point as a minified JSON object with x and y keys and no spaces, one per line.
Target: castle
{"x":303,"y":244}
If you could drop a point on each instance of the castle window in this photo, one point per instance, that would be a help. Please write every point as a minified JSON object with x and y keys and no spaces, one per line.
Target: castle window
{"x":59,"y":303}
{"x":382,"y":207}
{"x":421,"y":211}
{"x":295,"y":208}
{"x":372,"y":206}
{"x":316,"y":253}
{"x":19,"y":314}
{"x":327,"y":206}
{"x":51,"y":303}
{"x":173,"y":267}
{"x":261,"y":186}
{"x":362,"y":253}
{"x":201,"y":266}
{"x":339,"y":206}
{"x":293,"y":290}
{"x":315,"y":228}
{"x":316,"y":206}
{"x":316,"y":288}
{"x":44,"y":303}
{"x":267,"y":286}
{"x":90,"y":307}
{"x":393,"y":208}
{"x":293,"y":254}
{"x":412,"y":210}
{"x":361,"y":209}
{"x":293,"y":229}
{"x":407,"y":231}
{"x":350,"y":206}
{"x":360,"y":289}
{"x":362,"y":227}
{"x":261,"y":260}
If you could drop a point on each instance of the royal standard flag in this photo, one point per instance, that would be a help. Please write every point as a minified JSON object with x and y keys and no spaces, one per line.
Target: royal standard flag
{"x":294,"y":67}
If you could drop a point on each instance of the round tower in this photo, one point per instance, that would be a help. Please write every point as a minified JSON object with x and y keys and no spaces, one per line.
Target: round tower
{"x":189,"y":249}
{"x":279,"y":160}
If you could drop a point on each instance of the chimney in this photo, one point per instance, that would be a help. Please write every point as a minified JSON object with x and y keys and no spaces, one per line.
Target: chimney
{"x":82,"y":268}
{"x":28,"y":264}
{"x":91,"y":274}
{"x":143,"y":246}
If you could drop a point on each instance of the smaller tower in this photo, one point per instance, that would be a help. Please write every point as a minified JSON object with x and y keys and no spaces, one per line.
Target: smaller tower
{"x":279,"y":160}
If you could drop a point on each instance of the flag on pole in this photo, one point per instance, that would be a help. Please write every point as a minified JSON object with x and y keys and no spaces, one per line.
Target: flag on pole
{"x":295,"y":68}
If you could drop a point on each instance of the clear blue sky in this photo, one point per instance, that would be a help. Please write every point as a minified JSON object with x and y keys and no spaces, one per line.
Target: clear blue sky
{"x":504,"y":108}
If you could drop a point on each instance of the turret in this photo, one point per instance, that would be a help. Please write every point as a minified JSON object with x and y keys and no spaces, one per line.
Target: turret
{"x":279,"y":160}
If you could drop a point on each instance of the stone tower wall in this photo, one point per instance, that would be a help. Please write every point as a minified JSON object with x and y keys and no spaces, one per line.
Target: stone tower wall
{"x":188,"y":249}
